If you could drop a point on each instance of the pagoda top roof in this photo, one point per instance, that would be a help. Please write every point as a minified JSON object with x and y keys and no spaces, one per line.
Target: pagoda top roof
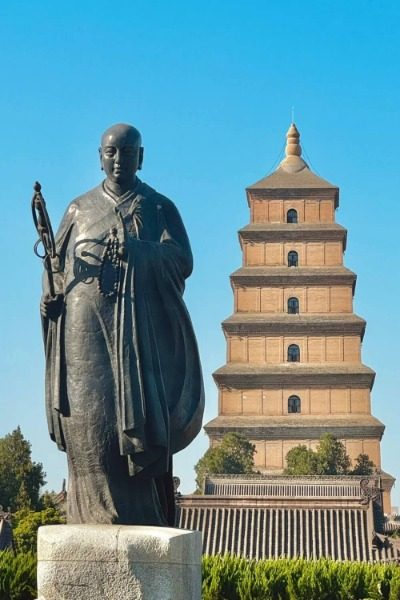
{"x":293,"y":172}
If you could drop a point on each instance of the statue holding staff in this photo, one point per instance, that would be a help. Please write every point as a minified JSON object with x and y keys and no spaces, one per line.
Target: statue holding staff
{"x":124,"y":388}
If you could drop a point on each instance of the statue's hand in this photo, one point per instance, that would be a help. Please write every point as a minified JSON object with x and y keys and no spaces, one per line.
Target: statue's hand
{"x":51,"y":308}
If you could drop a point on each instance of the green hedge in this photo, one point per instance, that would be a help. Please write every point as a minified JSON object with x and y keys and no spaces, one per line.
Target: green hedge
{"x":232,"y":578}
{"x":17,"y":576}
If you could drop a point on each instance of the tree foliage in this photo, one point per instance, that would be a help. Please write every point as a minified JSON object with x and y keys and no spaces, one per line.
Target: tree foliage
{"x":49,"y":500}
{"x":300,"y":461}
{"x":20,"y":477}
{"x":235,"y":454}
{"x":330,"y":458}
{"x":363,"y":465}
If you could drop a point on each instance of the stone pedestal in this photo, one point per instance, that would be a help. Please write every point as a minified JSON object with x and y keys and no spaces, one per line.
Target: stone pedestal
{"x":118,"y":562}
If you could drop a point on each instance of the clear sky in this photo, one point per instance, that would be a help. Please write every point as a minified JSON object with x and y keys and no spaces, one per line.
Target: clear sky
{"x":211,"y":86}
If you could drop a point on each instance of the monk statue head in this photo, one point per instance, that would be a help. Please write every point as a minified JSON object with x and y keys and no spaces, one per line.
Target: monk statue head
{"x":121,"y":155}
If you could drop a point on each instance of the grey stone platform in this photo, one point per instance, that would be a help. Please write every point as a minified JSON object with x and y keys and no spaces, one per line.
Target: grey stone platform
{"x":118,"y":562}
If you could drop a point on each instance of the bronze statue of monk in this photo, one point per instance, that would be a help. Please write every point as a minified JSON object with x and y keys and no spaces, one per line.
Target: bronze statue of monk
{"x":124,"y":388}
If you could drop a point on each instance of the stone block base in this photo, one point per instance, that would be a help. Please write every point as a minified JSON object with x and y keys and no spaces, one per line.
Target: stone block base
{"x":118,"y":562}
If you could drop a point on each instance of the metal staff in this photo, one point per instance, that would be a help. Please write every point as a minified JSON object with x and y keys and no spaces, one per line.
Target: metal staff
{"x":46,"y":236}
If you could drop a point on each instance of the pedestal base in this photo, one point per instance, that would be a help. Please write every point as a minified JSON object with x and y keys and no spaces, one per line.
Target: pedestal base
{"x":115,"y":562}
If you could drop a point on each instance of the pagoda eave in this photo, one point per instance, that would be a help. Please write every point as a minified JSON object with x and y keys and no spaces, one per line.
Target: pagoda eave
{"x":297,"y":427}
{"x":242,"y":324}
{"x":290,"y":276}
{"x":288,"y":375}
{"x":295,"y":233}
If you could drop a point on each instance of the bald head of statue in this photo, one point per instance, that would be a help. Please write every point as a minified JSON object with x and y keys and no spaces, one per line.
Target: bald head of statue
{"x":121,"y":155}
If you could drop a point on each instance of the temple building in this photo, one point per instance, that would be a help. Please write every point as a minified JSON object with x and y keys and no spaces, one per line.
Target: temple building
{"x":294,"y":368}
{"x":294,"y":372}
{"x":274,"y":516}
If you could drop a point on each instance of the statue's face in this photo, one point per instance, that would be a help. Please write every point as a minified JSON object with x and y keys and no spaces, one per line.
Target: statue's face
{"x":121,"y":155}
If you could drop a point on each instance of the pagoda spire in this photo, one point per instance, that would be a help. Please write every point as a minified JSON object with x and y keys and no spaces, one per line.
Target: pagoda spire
{"x":293,"y":163}
{"x":293,"y":147}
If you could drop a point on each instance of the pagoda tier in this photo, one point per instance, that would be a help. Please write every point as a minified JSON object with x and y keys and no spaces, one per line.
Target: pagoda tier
{"x":294,"y":367}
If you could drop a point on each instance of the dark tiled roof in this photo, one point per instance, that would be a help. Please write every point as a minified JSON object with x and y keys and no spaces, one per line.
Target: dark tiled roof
{"x":270,"y":517}
{"x":255,"y":532}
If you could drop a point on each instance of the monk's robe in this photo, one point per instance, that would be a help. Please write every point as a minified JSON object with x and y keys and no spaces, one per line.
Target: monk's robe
{"x":124,"y":387}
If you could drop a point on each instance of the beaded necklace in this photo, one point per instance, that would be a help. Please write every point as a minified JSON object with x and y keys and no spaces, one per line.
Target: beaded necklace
{"x":110,"y":268}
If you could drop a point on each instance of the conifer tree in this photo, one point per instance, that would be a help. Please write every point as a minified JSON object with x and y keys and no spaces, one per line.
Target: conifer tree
{"x":20,"y":477}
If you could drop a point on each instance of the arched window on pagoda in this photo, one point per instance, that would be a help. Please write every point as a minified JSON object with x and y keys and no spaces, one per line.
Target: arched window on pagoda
{"x":293,"y":259}
{"x":291,"y":216}
{"x":293,"y":353}
{"x":294,"y":404}
{"x":293,"y":306}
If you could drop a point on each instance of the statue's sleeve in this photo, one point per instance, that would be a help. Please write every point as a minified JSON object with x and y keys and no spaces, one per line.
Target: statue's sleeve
{"x":175,"y":245}
{"x":167,"y":348}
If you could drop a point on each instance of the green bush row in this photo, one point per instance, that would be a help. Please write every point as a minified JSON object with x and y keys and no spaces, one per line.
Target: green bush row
{"x":233,"y":578}
{"x":17,"y":576}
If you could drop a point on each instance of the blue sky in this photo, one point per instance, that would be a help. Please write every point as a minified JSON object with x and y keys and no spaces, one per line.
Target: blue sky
{"x":211,"y":86}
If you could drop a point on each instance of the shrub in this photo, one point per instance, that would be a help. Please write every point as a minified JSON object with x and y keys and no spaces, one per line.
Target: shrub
{"x":17,"y":576}
{"x":27,"y":522}
{"x":234,"y":578}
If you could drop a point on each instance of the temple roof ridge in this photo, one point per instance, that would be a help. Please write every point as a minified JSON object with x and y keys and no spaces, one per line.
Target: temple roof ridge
{"x":242,"y":477}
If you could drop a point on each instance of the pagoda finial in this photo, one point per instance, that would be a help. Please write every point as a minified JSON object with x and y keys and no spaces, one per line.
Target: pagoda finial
{"x":293,"y":147}
{"x":293,"y":163}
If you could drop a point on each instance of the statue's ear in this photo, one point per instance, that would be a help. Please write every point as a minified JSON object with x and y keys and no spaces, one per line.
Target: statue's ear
{"x":141,"y":153}
{"x":101,"y":159}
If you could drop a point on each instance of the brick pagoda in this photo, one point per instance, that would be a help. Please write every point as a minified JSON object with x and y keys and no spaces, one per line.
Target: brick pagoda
{"x":294,"y":369}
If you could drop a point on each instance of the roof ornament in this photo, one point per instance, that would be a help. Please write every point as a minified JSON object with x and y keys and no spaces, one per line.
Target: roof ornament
{"x":293,"y":147}
{"x":293,"y":163}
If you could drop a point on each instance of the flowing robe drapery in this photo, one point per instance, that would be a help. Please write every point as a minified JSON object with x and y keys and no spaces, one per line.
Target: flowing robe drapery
{"x":123,"y":378}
